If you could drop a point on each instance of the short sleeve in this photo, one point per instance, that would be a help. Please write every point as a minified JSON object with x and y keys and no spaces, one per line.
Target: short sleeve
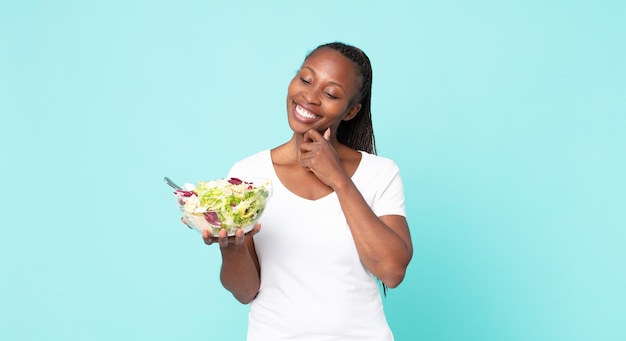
{"x":389,"y":198}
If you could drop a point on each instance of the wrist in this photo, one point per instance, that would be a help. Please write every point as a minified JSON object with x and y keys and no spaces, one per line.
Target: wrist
{"x":233,"y":250}
{"x":343,"y":185}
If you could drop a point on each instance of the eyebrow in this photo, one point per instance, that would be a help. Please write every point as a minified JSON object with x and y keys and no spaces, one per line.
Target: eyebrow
{"x":331,"y":82}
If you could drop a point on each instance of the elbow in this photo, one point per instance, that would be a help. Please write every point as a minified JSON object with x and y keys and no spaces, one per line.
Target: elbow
{"x":245,"y":299}
{"x":394,"y":273}
{"x":242,"y":292}
{"x":393,"y":280}
{"x":393,"y":276}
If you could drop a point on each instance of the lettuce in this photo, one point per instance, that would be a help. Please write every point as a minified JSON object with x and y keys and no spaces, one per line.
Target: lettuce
{"x":228,"y":204}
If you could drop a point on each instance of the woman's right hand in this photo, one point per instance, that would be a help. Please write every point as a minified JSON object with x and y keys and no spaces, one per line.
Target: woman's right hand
{"x":225,"y":241}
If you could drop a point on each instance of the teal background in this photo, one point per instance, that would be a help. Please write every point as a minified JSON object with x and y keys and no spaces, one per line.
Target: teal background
{"x":507,"y":119}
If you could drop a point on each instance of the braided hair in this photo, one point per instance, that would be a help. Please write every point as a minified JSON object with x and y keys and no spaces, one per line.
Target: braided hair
{"x":357,"y":133}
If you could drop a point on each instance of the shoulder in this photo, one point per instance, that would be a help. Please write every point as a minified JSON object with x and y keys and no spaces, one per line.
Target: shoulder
{"x":256,"y":157}
{"x":378,"y":178}
{"x":378,"y":164}
{"x":251,"y":164}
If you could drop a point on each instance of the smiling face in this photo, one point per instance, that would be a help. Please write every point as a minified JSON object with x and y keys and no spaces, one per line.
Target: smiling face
{"x":323,"y":92}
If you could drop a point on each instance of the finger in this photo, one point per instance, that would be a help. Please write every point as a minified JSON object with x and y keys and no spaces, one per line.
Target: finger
{"x":254,"y":230}
{"x":313,"y":135}
{"x":310,"y":137}
{"x":239,"y":236}
{"x":223,"y":238}
{"x":305,"y":147}
{"x":307,"y":136}
{"x":185,"y":222}
{"x":327,"y":134}
{"x":207,"y":237}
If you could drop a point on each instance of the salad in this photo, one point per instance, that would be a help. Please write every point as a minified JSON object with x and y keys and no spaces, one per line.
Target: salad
{"x":229,"y":204}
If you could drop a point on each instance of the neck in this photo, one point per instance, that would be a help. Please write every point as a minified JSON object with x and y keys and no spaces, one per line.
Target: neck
{"x":291,"y":148}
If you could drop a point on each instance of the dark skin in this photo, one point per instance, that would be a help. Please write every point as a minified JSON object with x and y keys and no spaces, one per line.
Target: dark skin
{"x":313,"y":164}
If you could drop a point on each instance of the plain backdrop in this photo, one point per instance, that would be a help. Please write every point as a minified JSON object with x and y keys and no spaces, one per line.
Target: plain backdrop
{"x":507,"y":119}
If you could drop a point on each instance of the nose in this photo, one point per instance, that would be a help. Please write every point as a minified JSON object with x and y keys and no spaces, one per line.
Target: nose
{"x":312,"y":96}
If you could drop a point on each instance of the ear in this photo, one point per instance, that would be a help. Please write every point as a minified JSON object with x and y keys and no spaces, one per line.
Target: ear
{"x":352,"y":112}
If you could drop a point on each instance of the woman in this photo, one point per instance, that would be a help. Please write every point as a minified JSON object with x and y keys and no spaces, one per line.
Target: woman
{"x":336,"y":221}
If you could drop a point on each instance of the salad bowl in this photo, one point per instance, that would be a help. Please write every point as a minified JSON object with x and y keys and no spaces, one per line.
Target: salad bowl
{"x":228,"y":203}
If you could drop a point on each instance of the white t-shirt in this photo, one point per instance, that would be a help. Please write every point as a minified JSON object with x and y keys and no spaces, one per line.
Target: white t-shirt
{"x":313,"y":284}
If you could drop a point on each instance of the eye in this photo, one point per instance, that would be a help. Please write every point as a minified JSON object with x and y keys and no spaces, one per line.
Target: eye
{"x":305,"y":81}
{"x":331,"y":96}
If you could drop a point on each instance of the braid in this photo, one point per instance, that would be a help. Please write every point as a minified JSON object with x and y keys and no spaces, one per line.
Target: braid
{"x":357,"y":133}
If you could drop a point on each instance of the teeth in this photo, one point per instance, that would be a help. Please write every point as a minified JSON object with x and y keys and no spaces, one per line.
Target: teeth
{"x":304,"y":113}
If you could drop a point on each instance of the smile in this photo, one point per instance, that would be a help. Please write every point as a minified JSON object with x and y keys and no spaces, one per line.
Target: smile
{"x":305,"y":114}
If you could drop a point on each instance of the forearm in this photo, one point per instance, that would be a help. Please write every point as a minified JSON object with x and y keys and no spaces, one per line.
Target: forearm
{"x":239,"y":273}
{"x":385,"y":251}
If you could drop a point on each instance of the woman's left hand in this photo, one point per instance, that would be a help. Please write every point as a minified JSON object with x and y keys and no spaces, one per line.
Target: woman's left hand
{"x":318,"y":156}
